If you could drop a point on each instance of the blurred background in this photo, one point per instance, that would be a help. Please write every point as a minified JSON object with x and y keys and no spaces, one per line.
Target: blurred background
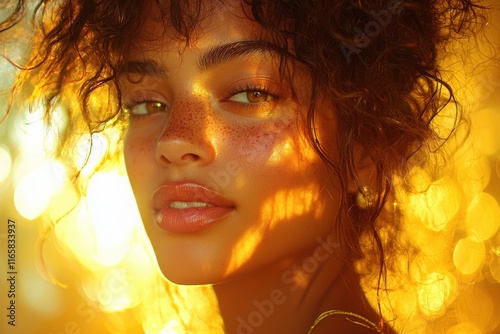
{"x":83,"y":264}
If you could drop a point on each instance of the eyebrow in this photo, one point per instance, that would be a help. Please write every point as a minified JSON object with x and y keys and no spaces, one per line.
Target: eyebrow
{"x":226,"y":52}
{"x":216,"y":55}
{"x":147,"y":67}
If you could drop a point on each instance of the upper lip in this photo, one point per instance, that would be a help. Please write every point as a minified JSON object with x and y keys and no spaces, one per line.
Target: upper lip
{"x":170,"y":192}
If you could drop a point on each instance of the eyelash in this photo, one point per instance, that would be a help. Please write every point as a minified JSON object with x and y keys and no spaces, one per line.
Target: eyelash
{"x":253,"y":88}
{"x":133,"y":103}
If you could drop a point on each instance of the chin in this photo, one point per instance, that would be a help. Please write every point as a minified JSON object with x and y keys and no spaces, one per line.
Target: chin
{"x":190,"y":274}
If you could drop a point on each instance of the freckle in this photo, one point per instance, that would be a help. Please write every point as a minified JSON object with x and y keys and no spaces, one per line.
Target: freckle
{"x":142,"y":145}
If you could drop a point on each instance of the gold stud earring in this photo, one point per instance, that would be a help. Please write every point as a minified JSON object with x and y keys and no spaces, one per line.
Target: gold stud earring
{"x":365,"y":198}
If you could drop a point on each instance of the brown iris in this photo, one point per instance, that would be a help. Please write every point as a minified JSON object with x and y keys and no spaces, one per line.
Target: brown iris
{"x":154,"y":107}
{"x":257,"y":96}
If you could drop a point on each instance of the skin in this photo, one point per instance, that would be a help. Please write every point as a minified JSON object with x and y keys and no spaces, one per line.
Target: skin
{"x":208,"y":130}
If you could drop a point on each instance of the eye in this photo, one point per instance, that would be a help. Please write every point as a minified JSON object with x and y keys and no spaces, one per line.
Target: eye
{"x":147,"y":108}
{"x":254,"y":99}
{"x":251,"y":96}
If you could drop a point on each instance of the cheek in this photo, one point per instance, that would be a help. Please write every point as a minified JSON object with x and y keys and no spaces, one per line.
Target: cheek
{"x":274,"y":155}
{"x":140,"y":140}
{"x":261,"y":144}
{"x":139,"y":157}
{"x":135,"y":148}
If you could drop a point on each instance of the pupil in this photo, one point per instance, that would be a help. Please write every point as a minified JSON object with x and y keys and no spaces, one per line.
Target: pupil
{"x":155,"y":106}
{"x":256,"y":96}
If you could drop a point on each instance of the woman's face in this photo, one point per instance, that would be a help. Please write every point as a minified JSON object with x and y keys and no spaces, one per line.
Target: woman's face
{"x":216,"y":151}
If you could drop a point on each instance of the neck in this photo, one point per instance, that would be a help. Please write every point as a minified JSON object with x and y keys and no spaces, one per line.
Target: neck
{"x":288,"y":296}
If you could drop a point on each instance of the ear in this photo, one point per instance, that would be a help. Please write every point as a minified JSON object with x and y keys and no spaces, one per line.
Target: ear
{"x":364,"y":172}
{"x":364,"y":181}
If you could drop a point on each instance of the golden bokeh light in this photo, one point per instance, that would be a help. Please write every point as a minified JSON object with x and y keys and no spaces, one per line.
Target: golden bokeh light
{"x":464,"y":328}
{"x":477,"y":308}
{"x":483,"y":217}
{"x":495,"y":266}
{"x":469,"y":255}
{"x":89,"y":152}
{"x":109,"y":289}
{"x":473,"y":173}
{"x":495,"y":257}
{"x":445,"y":122}
{"x":34,"y":137}
{"x":435,"y":293}
{"x":62,"y":201}
{"x":419,"y":179}
{"x":113,"y":215}
{"x":406,"y":302}
{"x":36,"y":292}
{"x":33,"y":193}
{"x":5,"y":162}
{"x":486,"y":134}
{"x":174,"y":306}
{"x":497,"y":166}
{"x":32,"y":196}
{"x":74,"y":233}
{"x":437,"y":205}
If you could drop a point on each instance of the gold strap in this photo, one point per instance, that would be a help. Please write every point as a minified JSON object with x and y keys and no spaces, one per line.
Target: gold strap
{"x":360,"y":320}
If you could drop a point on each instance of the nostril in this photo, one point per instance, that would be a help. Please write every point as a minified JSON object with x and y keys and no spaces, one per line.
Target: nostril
{"x":191,"y":157}
{"x":164,"y":160}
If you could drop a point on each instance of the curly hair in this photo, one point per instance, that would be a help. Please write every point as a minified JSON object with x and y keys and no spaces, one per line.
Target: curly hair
{"x":376,"y":60}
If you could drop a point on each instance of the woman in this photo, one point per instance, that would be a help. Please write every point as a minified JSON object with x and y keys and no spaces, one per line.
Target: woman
{"x":263,"y":138}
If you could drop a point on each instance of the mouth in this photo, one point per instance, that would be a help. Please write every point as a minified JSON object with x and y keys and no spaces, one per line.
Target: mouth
{"x":188,"y":207}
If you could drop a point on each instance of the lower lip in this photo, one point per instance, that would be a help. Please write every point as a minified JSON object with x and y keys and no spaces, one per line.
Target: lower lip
{"x":189,"y":220}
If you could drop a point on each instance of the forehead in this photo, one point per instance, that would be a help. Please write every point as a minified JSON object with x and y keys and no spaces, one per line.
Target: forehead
{"x":197,"y":24}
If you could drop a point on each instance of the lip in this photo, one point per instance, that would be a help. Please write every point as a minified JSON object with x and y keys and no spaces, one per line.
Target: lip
{"x":188,"y":220}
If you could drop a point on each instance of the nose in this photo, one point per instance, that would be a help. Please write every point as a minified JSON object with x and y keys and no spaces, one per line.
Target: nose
{"x":184,"y":138}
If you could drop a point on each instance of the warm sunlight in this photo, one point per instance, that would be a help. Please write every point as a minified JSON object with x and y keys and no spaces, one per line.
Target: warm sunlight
{"x":86,"y":264}
{"x":5,"y":162}
{"x":286,"y":205}
{"x":436,"y":291}
{"x":34,"y":192}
